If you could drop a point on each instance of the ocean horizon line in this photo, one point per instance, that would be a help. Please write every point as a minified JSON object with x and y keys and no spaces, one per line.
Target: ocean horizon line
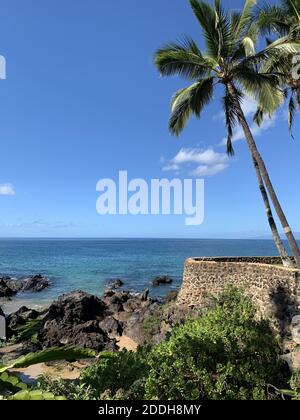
{"x":136,"y":238}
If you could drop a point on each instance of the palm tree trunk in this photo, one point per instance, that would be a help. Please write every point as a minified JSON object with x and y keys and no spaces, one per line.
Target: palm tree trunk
{"x":286,"y":260}
{"x":264,"y":174}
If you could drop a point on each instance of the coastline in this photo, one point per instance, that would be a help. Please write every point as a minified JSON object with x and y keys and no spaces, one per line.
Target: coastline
{"x":121,"y":328}
{"x":88,"y":264}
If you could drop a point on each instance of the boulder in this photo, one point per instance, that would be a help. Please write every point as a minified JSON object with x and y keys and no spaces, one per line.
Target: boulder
{"x":138,"y":303}
{"x":112,"y":326}
{"x":134,"y":324}
{"x":5,"y":290}
{"x":115,"y":300}
{"x":76,"y":307}
{"x":86,"y":335}
{"x":161,"y":280}
{"x":27,"y":314}
{"x":74,"y":319}
{"x":35,"y":284}
{"x":15,"y":285}
{"x":114,"y":284}
{"x":10,"y":287}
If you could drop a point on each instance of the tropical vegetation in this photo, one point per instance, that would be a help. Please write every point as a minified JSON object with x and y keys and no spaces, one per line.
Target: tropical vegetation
{"x":279,"y":21}
{"x":226,"y":354}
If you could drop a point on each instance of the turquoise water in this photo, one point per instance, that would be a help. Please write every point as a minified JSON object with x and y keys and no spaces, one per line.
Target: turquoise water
{"x":86,"y":264}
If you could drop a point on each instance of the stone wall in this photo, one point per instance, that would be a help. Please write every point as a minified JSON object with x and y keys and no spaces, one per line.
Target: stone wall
{"x":274,"y":289}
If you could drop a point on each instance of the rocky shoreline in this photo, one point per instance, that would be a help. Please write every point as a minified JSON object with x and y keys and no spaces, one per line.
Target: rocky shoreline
{"x":118,"y":319}
{"x":85,"y":320}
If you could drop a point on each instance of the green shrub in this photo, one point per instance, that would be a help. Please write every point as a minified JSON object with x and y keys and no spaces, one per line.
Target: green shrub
{"x":226,"y":354}
{"x":121,"y":373}
{"x":69,"y":389}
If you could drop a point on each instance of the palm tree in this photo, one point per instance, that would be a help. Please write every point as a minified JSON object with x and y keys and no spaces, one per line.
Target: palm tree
{"x":230,"y":60}
{"x":281,"y":20}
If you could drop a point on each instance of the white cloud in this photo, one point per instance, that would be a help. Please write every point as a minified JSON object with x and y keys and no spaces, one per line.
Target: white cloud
{"x":205,"y":170}
{"x":7,"y":189}
{"x":206,"y":162}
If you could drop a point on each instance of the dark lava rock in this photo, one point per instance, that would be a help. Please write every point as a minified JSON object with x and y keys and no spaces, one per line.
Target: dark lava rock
{"x":16,"y":285}
{"x":74,"y":319}
{"x":115,"y":284}
{"x":1,"y":312}
{"x":134,"y":322}
{"x":171,"y":296}
{"x":76,"y":307}
{"x":35,"y":284}
{"x":115,"y":300}
{"x":87,"y":335}
{"x":112,"y":326}
{"x":136,"y":303}
{"x":27,"y":314}
{"x":5,"y":290}
{"x":10,"y":287}
{"x":160,"y":280}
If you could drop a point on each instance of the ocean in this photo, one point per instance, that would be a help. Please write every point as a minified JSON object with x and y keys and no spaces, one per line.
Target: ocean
{"x":87,"y":264}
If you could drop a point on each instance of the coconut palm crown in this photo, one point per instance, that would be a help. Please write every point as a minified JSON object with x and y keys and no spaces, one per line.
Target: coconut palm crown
{"x":230,"y":57}
{"x":281,"y":20}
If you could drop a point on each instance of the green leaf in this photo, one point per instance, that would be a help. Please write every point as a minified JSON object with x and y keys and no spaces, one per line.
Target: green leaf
{"x":246,"y":15}
{"x":249,"y":46}
{"x":206,"y":16}
{"x":11,"y":383}
{"x":34,"y":395}
{"x":188,"y":101}
{"x":182,"y":59}
{"x":49,"y":355}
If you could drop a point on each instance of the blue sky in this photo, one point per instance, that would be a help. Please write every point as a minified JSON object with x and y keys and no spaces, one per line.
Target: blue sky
{"x":82,"y":100}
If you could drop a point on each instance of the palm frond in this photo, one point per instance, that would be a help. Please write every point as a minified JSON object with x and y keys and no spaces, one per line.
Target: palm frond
{"x":223,"y":27}
{"x":188,"y":101}
{"x":264,"y":87}
{"x":206,"y":16}
{"x":294,"y":8}
{"x":183,"y":59}
{"x":271,"y":18}
{"x":282,"y":47}
{"x":259,"y":116}
{"x":230,"y":120}
{"x":249,"y":46}
{"x":246,"y":16}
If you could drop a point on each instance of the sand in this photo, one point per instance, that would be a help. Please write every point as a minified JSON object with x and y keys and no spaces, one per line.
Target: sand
{"x":63,"y":370}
